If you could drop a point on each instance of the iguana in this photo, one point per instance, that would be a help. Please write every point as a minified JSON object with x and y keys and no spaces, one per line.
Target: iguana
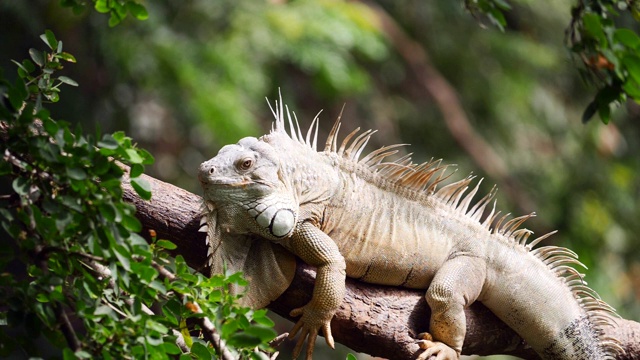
{"x":390,"y":223}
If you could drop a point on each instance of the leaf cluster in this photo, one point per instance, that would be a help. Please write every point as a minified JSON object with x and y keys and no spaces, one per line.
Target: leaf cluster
{"x":610,"y":54}
{"x":75,"y":269}
{"x":43,"y":86}
{"x":493,"y":9}
{"x":327,"y":40}
{"x":117,"y":9}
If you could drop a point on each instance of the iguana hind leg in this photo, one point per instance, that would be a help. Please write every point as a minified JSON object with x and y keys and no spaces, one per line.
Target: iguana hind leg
{"x":456,"y":285}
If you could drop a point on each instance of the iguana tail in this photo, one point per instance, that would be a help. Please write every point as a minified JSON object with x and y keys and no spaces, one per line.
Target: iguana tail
{"x":539,"y":294}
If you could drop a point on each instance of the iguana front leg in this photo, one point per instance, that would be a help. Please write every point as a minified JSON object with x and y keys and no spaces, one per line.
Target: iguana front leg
{"x":316,"y":248}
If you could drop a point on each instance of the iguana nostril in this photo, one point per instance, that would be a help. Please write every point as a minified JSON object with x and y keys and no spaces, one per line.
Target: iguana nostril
{"x":212,"y":170}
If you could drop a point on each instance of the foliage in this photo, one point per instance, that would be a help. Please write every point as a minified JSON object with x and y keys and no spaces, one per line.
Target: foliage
{"x":88,"y":279}
{"x":43,"y":84}
{"x":493,"y":9}
{"x":117,"y":9}
{"x":220,"y":68}
{"x":609,"y":53}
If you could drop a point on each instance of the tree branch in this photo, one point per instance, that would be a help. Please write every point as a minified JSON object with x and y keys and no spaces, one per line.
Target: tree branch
{"x":388,"y":317}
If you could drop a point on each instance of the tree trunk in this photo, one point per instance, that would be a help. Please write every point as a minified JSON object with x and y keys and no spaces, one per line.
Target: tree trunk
{"x":378,"y":320}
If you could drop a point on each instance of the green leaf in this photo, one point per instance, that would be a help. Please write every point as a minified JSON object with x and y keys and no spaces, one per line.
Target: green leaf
{"x":23,"y":72}
{"x":68,"y":81}
{"x":605,"y":113}
{"x":136,"y":170}
{"x":124,"y":257}
{"x":63,"y":220}
{"x":156,"y":326}
{"x":171,"y":349}
{"x":166,"y":244}
{"x":627,"y":38}
{"x":17,"y":94}
{"x":259,"y":355}
{"x":107,"y":211}
{"x":50,"y":39}
{"x":137,"y":10}
{"x":244,"y":340}
{"x":131,"y":223}
{"x":102,"y":310}
{"x":53,"y":97}
{"x":157,"y":285}
{"x":120,"y":137}
{"x":67,"y":57}
{"x":142,"y":187}
{"x":76,"y":173}
{"x":133,"y":156}
{"x":237,"y":278}
{"x":108,"y":142}
{"x":632,"y":64}
{"x":502,"y":4}
{"x":67,"y":354}
{"x":146,"y":156}
{"x":632,"y":89}
{"x":200,"y":351}
{"x":81,"y":354}
{"x":21,"y":186}
{"x":265,"y":334}
{"x":114,"y":19}
{"x":49,"y":123}
{"x":102,"y":6}
{"x":28,"y":65}
{"x":71,"y":202}
{"x":138,"y":241}
{"x":593,"y":27}
{"x":497,"y":18}
{"x":263,"y":320}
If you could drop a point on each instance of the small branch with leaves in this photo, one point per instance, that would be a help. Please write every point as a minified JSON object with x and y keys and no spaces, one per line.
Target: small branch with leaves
{"x":74,"y":264}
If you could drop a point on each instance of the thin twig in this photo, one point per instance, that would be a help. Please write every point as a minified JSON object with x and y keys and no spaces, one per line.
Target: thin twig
{"x":104,"y":272}
{"x":67,"y":328}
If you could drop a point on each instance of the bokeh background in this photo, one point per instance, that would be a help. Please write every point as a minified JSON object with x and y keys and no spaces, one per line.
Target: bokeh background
{"x":505,"y":106}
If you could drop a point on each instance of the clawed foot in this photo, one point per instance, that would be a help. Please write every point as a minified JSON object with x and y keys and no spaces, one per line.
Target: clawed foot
{"x":435,"y":348}
{"x":311,"y":322}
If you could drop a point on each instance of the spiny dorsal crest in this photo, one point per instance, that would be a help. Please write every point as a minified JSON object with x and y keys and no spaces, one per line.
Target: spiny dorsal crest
{"x":426,"y":177}
{"x":402,"y":172}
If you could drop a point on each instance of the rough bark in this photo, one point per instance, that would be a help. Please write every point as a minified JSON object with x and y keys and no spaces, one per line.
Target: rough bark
{"x":378,"y":320}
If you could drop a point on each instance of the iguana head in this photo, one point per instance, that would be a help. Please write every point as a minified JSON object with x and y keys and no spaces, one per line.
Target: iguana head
{"x":248,"y":169}
{"x":246,"y":180}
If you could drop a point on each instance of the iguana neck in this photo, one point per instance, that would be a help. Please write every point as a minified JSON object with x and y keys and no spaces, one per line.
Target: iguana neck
{"x":311,"y":177}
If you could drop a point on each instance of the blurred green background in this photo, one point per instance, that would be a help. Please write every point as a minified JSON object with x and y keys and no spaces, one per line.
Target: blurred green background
{"x":505,"y":106}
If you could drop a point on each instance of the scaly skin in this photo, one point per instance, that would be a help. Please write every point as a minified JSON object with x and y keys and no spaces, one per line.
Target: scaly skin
{"x":386,"y":224}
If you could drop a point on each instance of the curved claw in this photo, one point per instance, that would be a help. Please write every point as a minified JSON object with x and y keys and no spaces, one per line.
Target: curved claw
{"x":309,"y":333}
{"x":326,"y":331}
{"x":435,"y":348}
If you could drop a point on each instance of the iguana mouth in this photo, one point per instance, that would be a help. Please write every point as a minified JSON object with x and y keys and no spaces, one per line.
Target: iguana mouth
{"x":222,"y":183}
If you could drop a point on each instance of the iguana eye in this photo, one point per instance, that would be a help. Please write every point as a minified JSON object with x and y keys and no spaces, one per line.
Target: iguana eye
{"x":245,"y":164}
